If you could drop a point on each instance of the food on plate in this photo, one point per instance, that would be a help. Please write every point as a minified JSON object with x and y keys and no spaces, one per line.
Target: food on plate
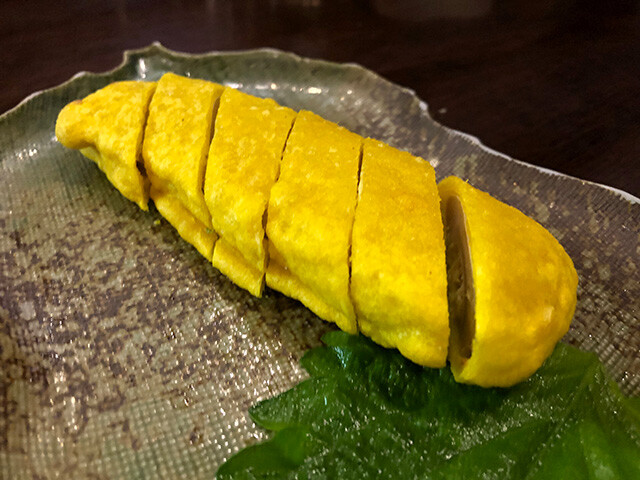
{"x":398,"y":273}
{"x":351,"y":227}
{"x":243,"y":165}
{"x":176,"y":142}
{"x":107,"y":127}
{"x":512,"y":288}
{"x":310,"y":217}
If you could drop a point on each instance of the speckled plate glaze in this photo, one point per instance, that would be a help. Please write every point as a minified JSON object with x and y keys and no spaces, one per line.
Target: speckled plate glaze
{"x":124,"y":354}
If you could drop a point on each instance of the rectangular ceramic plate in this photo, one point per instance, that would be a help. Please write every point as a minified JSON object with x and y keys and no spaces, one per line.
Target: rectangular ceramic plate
{"x":126,"y":355}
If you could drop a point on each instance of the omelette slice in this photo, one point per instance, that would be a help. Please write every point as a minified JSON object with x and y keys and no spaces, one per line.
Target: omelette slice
{"x":398,"y":268}
{"x":310,"y":217}
{"x":175,"y":149}
{"x":243,"y":164}
{"x":512,"y":288}
{"x":107,"y":127}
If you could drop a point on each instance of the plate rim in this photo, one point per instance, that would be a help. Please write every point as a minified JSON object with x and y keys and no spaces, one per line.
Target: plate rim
{"x":157,"y":47}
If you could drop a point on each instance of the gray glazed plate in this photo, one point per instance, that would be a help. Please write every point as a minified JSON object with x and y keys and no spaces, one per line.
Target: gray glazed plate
{"x":125,"y":355}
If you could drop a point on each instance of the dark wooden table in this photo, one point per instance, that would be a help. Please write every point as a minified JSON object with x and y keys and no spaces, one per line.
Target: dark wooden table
{"x":553,"y":83}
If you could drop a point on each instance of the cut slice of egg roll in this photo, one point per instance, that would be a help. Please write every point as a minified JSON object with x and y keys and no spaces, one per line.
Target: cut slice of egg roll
{"x":175,"y":147}
{"x":243,"y":164}
{"x":310,"y":217}
{"x":398,"y":268}
{"x":512,"y":288}
{"x":107,"y":127}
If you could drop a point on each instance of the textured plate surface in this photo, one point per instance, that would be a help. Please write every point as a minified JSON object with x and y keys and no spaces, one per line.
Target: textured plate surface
{"x":124,"y":354}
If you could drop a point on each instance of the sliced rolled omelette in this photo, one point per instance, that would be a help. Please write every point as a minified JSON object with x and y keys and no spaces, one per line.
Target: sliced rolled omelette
{"x":310,"y":217}
{"x":243,"y":164}
{"x":398,"y":268}
{"x":175,"y":147}
{"x":512,"y":288}
{"x":107,"y":127}
{"x":353,"y":228}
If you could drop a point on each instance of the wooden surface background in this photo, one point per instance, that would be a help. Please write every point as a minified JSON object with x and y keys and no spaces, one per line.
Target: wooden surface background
{"x":553,"y":83}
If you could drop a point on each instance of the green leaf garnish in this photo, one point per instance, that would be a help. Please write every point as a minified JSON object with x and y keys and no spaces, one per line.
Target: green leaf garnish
{"x":367,"y":412}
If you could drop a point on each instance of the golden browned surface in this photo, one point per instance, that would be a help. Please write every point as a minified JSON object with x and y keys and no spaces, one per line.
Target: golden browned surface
{"x":361,"y":247}
{"x":398,"y":274}
{"x":310,"y":217}
{"x":243,"y":164}
{"x":524,"y":288}
{"x":175,"y":148}
{"x":107,"y":127}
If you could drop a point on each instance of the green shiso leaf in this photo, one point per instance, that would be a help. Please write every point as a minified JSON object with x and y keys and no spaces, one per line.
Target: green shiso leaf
{"x":367,"y":412}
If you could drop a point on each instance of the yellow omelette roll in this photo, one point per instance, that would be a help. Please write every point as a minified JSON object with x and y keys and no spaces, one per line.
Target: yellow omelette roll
{"x":243,"y":164}
{"x":107,"y":127}
{"x":512,"y":288}
{"x":310,"y":216}
{"x":175,"y":147}
{"x":398,"y":268}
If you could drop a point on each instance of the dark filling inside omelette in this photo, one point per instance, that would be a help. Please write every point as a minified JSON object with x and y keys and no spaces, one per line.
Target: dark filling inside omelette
{"x":460,"y":291}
